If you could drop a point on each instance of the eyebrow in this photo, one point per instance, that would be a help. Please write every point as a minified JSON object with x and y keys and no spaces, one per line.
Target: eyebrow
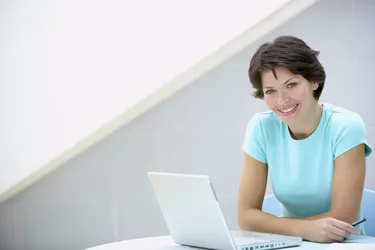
{"x":284,"y":82}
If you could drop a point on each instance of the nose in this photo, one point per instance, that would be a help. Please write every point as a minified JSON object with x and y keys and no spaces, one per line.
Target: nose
{"x":282,"y":98}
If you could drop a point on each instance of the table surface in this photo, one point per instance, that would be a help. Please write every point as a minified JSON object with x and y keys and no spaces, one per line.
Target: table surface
{"x":166,"y":243}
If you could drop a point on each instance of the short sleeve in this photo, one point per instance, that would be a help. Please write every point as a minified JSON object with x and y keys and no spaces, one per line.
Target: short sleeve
{"x":349,"y":131}
{"x":254,"y":143}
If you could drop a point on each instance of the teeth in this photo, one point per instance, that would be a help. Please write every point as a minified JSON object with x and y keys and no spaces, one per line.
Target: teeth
{"x":289,"y":109}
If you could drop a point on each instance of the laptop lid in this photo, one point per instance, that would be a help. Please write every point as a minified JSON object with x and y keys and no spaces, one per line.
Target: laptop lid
{"x":191,"y":210}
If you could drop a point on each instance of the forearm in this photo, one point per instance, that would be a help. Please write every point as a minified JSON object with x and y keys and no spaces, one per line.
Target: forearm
{"x":342,"y":217}
{"x":257,"y":220}
{"x":318,"y":216}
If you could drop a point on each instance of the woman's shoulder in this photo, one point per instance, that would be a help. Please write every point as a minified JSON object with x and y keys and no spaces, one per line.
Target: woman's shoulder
{"x":347,"y":129}
{"x":265,"y":119}
{"x":340,"y":117}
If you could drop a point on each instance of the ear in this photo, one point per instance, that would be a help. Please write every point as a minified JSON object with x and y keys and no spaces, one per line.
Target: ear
{"x":315,"y":86}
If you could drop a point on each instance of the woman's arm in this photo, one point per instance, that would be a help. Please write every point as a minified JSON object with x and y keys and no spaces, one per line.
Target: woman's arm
{"x":251,"y":217}
{"x":347,"y":186}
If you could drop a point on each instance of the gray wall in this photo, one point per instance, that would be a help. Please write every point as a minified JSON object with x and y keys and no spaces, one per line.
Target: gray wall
{"x":104,"y":196}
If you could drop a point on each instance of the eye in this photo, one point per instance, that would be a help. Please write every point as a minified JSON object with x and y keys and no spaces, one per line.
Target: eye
{"x":270,"y":91}
{"x":291,"y":85}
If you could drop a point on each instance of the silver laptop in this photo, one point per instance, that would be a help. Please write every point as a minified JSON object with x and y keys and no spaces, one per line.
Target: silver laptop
{"x":194,"y":217}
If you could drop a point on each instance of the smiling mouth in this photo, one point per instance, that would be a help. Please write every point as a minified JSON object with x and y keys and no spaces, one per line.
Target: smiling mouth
{"x":288,"y":111}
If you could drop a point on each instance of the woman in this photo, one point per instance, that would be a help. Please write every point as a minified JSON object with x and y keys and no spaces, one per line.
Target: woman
{"x":314,"y":153}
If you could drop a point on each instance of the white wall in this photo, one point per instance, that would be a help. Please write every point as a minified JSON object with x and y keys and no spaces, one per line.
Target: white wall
{"x":104,"y":195}
{"x":69,"y":67}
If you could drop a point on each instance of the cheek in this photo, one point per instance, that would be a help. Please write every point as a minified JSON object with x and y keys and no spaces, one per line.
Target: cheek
{"x":299,"y":94}
{"x":269,"y":101}
{"x":304,"y":95}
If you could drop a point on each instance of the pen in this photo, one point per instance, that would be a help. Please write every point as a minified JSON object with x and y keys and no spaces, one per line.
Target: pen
{"x":358,"y":222}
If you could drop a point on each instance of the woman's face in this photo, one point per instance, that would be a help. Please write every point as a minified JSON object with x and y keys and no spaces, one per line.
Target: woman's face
{"x":289,"y":96}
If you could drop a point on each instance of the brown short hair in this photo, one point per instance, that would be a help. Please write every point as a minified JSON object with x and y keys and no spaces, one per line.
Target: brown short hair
{"x":291,"y":53}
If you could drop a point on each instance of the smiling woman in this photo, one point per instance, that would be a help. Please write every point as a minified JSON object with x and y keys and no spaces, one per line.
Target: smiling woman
{"x":290,"y":97}
{"x":314,"y":152}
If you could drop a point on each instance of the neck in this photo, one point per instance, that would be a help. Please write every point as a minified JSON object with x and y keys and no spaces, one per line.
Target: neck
{"x":307,"y":125}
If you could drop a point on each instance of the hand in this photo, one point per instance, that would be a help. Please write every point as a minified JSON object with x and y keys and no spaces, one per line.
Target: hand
{"x":329,"y":230}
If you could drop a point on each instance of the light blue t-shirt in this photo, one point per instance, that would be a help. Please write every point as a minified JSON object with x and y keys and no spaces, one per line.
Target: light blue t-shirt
{"x":301,"y":171}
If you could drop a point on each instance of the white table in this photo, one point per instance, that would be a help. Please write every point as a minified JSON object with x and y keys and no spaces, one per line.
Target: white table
{"x":166,"y":243}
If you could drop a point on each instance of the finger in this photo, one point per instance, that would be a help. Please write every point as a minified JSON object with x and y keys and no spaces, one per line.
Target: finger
{"x":336,"y":230}
{"x":335,"y":237}
{"x":345,"y":226}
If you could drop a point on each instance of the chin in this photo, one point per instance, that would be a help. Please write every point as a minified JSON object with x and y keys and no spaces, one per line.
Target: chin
{"x":289,"y":121}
